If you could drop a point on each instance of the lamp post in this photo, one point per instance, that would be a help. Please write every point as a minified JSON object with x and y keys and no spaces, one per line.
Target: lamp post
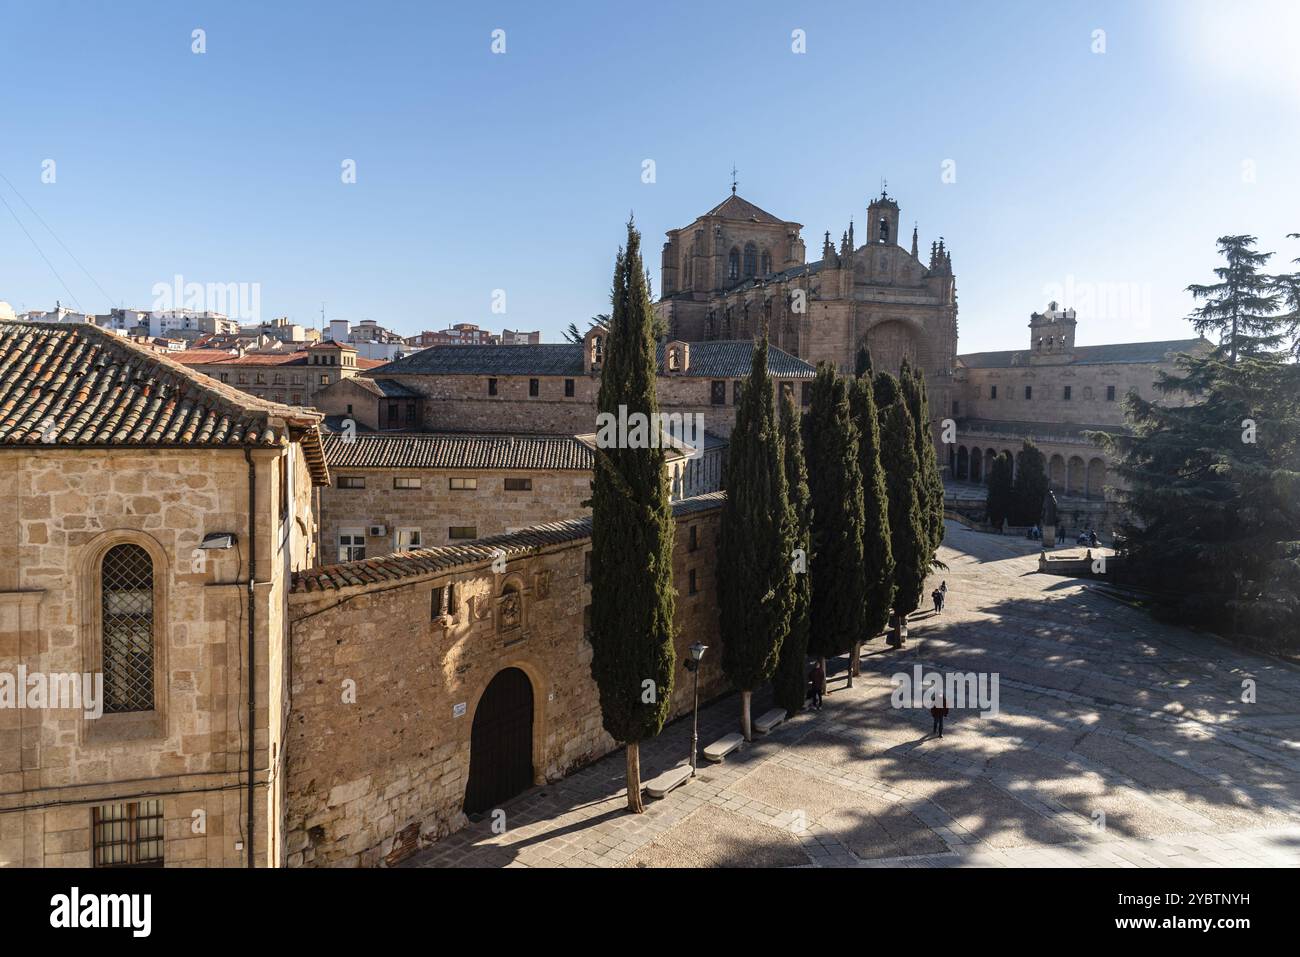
{"x":693,"y":666}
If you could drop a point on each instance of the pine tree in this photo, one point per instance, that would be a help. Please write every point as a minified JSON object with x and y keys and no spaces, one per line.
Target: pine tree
{"x":877,"y":554}
{"x":909,"y":538}
{"x":755,"y":581}
{"x":837,"y":618}
{"x":790,"y":684}
{"x":1241,"y":308}
{"x":1030,"y":487}
{"x":1001,"y":496}
{"x":632,"y":597}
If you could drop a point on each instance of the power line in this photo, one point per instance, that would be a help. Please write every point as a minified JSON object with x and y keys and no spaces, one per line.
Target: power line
{"x":37,"y":247}
{"x":106,"y":296}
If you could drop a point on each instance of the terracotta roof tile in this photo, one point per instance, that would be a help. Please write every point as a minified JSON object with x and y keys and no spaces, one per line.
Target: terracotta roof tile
{"x":443,"y":450}
{"x":75,"y":384}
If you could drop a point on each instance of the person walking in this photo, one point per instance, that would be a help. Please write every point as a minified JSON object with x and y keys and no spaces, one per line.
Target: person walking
{"x":817,"y":678}
{"x":938,"y":713}
{"x":936,"y":596}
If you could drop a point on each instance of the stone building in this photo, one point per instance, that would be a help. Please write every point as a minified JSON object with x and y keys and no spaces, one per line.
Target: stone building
{"x":552,"y":387}
{"x":155,"y":516}
{"x":1054,"y":392}
{"x":432,"y":684}
{"x":738,"y":269}
{"x":395,"y":492}
{"x":293,"y":378}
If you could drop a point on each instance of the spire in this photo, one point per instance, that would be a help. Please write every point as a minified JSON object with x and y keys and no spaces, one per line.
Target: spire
{"x":914,"y":255}
{"x":851,"y":245}
{"x":828,"y":251}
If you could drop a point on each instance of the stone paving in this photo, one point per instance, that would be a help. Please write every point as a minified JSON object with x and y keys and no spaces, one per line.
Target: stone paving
{"x":1118,"y":742}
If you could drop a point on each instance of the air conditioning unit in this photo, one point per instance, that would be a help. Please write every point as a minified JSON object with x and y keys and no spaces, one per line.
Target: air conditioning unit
{"x":378,"y":531}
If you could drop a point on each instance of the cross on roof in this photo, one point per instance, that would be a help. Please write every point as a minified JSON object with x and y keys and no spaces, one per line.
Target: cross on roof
{"x":733,"y":179}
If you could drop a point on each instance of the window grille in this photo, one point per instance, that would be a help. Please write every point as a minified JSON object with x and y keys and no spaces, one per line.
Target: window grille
{"x":126,"y":588}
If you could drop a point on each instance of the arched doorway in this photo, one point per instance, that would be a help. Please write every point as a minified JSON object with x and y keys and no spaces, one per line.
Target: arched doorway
{"x":963,"y":462}
{"x":501,"y":742}
{"x":1074,"y":476}
{"x":1096,"y":479}
{"x":976,"y":465}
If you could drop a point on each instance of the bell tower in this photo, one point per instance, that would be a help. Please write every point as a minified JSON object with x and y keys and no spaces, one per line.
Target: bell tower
{"x":1051,"y":335}
{"x":882,"y":220}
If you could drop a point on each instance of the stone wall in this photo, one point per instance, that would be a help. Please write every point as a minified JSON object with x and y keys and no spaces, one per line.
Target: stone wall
{"x":379,"y":742}
{"x":435,"y":507}
{"x":65,"y":508}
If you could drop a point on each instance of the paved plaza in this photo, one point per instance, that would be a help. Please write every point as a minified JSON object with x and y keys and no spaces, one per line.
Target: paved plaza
{"x":1119,"y":741}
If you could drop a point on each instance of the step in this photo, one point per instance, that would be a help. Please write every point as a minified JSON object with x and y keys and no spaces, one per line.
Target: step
{"x":657,"y":787}
{"x":723,"y":746}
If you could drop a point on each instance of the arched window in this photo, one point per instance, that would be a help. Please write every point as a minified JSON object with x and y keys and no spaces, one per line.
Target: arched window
{"x":597,"y":350}
{"x":127,"y":628}
{"x":751,"y":260}
{"x":767,"y":263}
{"x":733,"y":264}
{"x":884,"y":230}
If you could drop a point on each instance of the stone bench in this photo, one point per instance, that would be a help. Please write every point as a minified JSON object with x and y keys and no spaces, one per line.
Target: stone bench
{"x":723,"y":746}
{"x":769,"y":720}
{"x":657,"y":787}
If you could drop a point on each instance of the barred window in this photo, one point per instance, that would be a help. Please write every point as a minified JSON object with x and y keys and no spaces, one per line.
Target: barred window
{"x":128,"y":835}
{"x":126,"y":590}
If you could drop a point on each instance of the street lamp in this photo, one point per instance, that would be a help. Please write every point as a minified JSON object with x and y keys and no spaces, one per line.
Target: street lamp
{"x":693,"y":666}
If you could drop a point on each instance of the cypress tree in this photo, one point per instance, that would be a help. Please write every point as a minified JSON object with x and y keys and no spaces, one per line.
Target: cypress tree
{"x":918,"y":403}
{"x":862,"y":367}
{"x":837,"y":616}
{"x":632,"y":597}
{"x":1001,"y":496}
{"x":790,"y":684}
{"x":755,"y":587}
{"x":877,"y":554}
{"x":1030,"y":487}
{"x":909,"y":539}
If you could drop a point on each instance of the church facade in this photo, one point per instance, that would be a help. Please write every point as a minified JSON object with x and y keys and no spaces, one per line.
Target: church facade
{"x":737,"y":269}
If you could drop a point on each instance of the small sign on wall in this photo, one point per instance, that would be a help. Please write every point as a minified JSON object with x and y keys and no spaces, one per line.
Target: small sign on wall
{"x":458,"y":710}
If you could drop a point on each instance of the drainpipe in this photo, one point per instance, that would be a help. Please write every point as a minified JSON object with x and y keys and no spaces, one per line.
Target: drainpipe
{"x":252,"y":659}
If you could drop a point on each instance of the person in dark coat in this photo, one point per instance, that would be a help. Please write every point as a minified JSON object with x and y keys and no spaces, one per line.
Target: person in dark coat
{"x":939,"y":712}
{"x":936,"y":596}
{"x":817,"y":679}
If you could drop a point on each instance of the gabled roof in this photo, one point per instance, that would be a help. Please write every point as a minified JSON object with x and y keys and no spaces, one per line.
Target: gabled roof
{"x":716,"y":359}
{"x":428,"y":562}
{"x":734,"y":207}
{"x":73,"y":384}
{"x":1115,"y":352}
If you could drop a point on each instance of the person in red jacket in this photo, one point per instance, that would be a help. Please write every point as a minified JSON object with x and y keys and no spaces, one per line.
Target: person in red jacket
{"x":939,"y":712}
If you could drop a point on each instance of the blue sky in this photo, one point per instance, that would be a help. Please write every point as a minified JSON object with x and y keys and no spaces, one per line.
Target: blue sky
{"x":1104,"y":177}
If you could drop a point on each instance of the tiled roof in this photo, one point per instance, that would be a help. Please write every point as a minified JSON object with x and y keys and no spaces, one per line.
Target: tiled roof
{"x":1116,"y":352}
{"x":731,"y":359}
{"x":733,"y":207}
{"x":425,"y":562}
{"x":549,"y":358}
{"x":451,"y":450}
{"x":384,"y":388}
{"x":248,"y":359}
{"x":721,"y":359}
{"x":75,"y":384}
